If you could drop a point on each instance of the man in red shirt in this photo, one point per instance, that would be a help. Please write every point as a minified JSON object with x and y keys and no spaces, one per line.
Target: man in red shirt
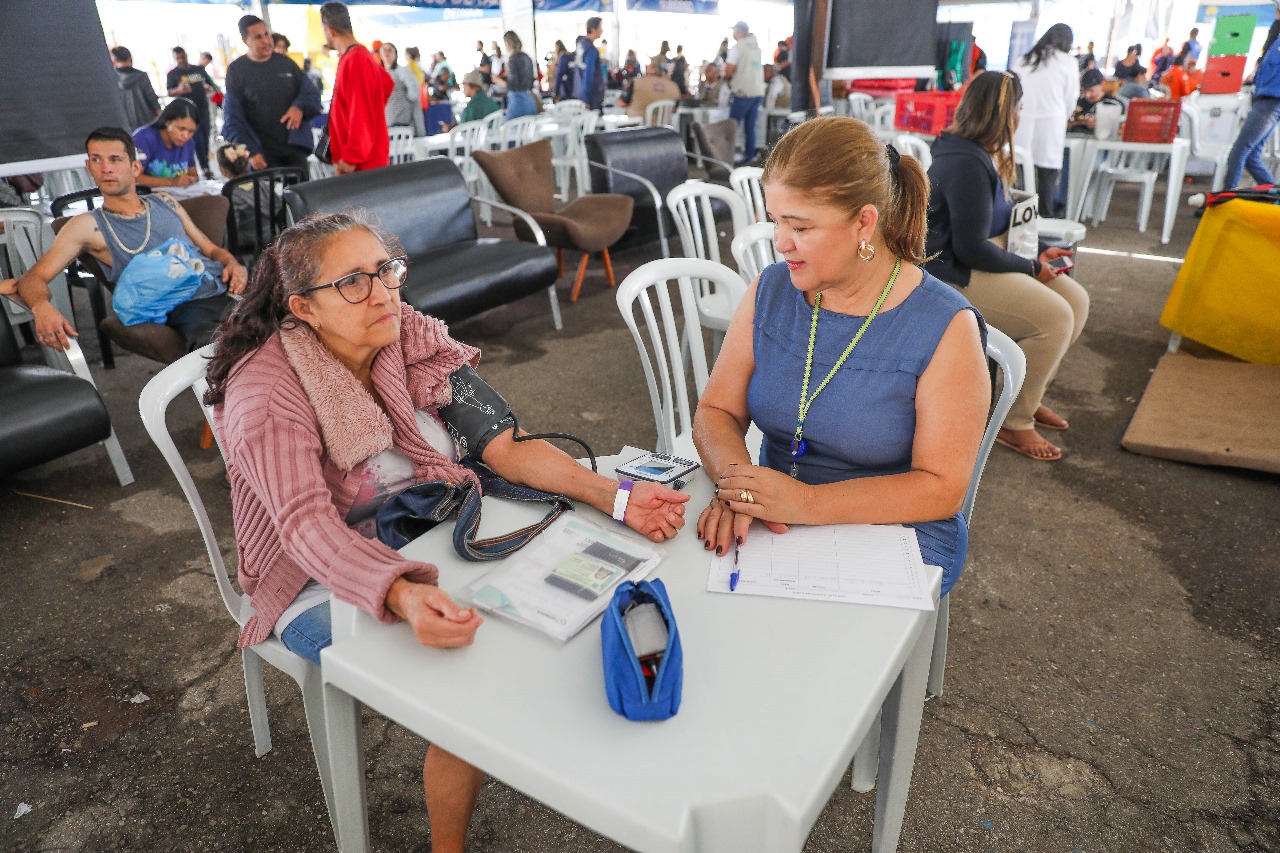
{"x":358,"y":137}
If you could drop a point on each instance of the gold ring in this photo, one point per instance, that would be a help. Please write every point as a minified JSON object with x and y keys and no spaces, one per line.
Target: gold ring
{"x":748,"y":497}
{"x":742,"y":496}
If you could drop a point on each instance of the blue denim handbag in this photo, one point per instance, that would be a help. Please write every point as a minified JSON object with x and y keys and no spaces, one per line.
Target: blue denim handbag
{"x":421,"y":507}
{"x":641,"y":690}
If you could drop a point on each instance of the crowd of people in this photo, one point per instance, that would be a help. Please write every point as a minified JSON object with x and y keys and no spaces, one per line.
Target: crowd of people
{"x":332,"y":396}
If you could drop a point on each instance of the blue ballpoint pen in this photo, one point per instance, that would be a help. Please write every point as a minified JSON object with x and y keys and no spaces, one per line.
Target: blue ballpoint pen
{"x":733,"y":576}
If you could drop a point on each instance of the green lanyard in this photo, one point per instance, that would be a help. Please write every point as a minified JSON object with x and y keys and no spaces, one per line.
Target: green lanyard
{"x":799,"y":447}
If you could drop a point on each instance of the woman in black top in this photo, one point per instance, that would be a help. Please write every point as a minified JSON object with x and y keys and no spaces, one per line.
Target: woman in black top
{"x":519,"y":76}
{"x":969,"y":216}
{"x":1129,"y":67}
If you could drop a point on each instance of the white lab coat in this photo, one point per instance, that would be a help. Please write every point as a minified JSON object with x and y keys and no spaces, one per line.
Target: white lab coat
{"x":1049,"y":95}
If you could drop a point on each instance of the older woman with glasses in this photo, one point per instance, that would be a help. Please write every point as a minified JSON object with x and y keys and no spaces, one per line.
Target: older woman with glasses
{"x":330,"y":397}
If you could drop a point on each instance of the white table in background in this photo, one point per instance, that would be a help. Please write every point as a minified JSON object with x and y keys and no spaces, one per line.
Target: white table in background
{"x":1179,"y":150}
{"x":436,"y":145}
{"x":778,"y":695}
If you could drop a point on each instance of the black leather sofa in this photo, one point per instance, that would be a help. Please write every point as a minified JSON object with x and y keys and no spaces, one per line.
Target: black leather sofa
{"x":655,"y":153}
{"x":47,"y":413}
{"x":453,"y":273}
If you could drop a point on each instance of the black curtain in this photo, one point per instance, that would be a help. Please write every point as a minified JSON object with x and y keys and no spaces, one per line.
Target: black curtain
{"x":56,"y":79}
{"x":802,"y":55}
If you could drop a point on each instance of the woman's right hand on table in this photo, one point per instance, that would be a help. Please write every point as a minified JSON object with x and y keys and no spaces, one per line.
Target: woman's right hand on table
{"x":436,"y":619}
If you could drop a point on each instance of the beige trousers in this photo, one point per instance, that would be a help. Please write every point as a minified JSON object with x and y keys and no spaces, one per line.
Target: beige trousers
{"x":1044,"y":320}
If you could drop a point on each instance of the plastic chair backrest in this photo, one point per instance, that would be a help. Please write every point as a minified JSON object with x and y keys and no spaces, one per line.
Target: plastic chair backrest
{"x":1026,"y":168}
{"x":690,"y":204}
{"x":467,"y":137}
{"x":907,"y":143}
{"x":1006,"y":354}
{"x":659,"y":113}
{"x":401,"y":140}
{"x":882,"y":117}
{"x":187,"y":373}
{"x":745,"y":180}
{"x":861,"y":106}
{"x":569,"y":105}
{"x":24,"y":242}
{"x":493,"y":129}
{"x":668,"y":321}
{"x":518,"y":131}
{"x":753,"y":250}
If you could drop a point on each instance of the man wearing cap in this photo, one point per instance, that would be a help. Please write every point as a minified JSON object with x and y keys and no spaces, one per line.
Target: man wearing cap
{"x":479,"y":104}
{"x":1084,"y":118}
{"x":745,"y":74}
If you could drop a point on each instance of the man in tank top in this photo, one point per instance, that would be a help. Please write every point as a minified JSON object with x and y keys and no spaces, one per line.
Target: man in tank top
{"x":128,"y":225}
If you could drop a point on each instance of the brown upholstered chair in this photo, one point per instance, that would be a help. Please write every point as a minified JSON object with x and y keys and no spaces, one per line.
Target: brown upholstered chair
{"x":716,"y":142}
{"x":157,"y":341}
{"x":524,"y":178}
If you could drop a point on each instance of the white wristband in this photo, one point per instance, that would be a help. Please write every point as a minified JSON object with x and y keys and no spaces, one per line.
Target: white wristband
{"x":620,"y":501}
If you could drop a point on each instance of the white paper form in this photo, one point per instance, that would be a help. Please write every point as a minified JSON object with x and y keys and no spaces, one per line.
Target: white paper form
{"x":855,"y":563}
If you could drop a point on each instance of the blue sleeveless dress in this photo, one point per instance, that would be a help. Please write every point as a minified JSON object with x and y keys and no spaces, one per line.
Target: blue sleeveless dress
{"x":863,"y":423}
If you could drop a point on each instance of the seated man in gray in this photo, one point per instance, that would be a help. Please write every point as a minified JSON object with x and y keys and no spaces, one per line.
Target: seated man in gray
{"x":126,"y":227}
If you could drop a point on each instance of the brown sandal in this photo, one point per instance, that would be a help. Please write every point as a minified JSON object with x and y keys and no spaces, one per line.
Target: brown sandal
{"x":1060,"y":423}
{"x":1026,"y":449}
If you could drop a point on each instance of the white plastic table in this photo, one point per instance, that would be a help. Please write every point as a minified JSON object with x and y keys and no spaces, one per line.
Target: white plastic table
{"x":778,"y":695}
{"x":1179,"y":150}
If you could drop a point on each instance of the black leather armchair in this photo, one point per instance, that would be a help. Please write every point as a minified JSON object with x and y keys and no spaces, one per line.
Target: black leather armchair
{"x":645,"y":163}
{"x":48,"y":412}
{"x":453,"y":273}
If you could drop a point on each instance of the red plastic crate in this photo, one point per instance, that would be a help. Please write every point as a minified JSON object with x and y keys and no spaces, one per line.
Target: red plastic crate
{"x":926,"y":112}
{"x":1223,"y":75}
{"x":1151,"y":120}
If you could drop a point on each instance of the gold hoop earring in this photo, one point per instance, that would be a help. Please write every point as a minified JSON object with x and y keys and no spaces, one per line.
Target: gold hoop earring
{"x":864,"y":246}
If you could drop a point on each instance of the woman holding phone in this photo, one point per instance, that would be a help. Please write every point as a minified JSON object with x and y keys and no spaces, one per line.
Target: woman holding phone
{"x":1031,"y":301}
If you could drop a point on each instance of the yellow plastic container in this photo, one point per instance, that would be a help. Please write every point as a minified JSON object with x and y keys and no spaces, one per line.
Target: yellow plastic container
{"x":1227,"y":295}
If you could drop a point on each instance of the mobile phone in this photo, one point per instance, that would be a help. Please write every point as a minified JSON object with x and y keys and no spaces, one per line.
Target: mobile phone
{"x":657,"y":468}
{"x":1061,"y":264}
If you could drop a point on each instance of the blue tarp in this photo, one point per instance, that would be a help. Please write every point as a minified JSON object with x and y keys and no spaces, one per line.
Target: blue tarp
{"x":412,"y":17}
{"x":695,"y":7}
{"x":416,"y":4}
{"x":572,"y":5}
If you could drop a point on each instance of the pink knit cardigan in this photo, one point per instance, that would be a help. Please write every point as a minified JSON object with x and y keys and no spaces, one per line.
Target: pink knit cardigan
{"x":295,"y":424}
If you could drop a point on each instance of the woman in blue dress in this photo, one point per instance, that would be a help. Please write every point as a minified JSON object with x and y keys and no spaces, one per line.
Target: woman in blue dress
{"x":865,"y":373}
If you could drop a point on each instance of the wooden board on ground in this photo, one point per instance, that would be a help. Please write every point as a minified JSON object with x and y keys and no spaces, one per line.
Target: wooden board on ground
{"x":1210,"y":412}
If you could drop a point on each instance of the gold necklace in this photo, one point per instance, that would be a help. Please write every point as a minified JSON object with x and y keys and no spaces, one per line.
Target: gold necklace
{"x":106,"y":220}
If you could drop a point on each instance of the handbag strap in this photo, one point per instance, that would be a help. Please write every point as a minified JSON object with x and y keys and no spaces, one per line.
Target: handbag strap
{"x":496,"y":547}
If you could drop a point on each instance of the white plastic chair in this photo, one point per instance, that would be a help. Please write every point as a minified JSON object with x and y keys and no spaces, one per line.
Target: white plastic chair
{"x":753,"y":250}
{"x":909,"y":143}
{"x":572,"y":164}
{"x":660,"y":113}
{"x":745,"y":181}
{"x":1008,"y":356}
{"x":186,"y":373}
{"x":690,"y":204}
{"x":517,"y":131}
{"x":463,"y":139}
{"x":881,"y":121}
{"x":493,"y":130}
{"x":568,"y":105}
{"x":401,"y":139}
{"x":861,"y":106}
{"x":1058,"y":230}
{"x":1130,"y":167}
{"x":671,"y":317}
{"x":25,"y":240}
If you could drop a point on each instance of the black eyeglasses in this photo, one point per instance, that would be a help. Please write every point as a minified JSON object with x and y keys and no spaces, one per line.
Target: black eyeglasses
{"x":356,"y":287}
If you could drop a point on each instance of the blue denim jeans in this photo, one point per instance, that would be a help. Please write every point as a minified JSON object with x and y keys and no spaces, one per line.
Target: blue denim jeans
{"x":746,"y":110}
{"x":1246,"y":153}
{"x":312,"y":631}
{"x":520,"y":104}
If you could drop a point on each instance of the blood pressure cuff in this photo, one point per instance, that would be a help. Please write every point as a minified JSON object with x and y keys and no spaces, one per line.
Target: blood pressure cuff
{"x":641,"y":687}
{"x":477,"y":415}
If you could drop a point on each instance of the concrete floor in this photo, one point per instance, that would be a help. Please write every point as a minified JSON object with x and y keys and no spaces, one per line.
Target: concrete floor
{"x":1112,"y":685}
